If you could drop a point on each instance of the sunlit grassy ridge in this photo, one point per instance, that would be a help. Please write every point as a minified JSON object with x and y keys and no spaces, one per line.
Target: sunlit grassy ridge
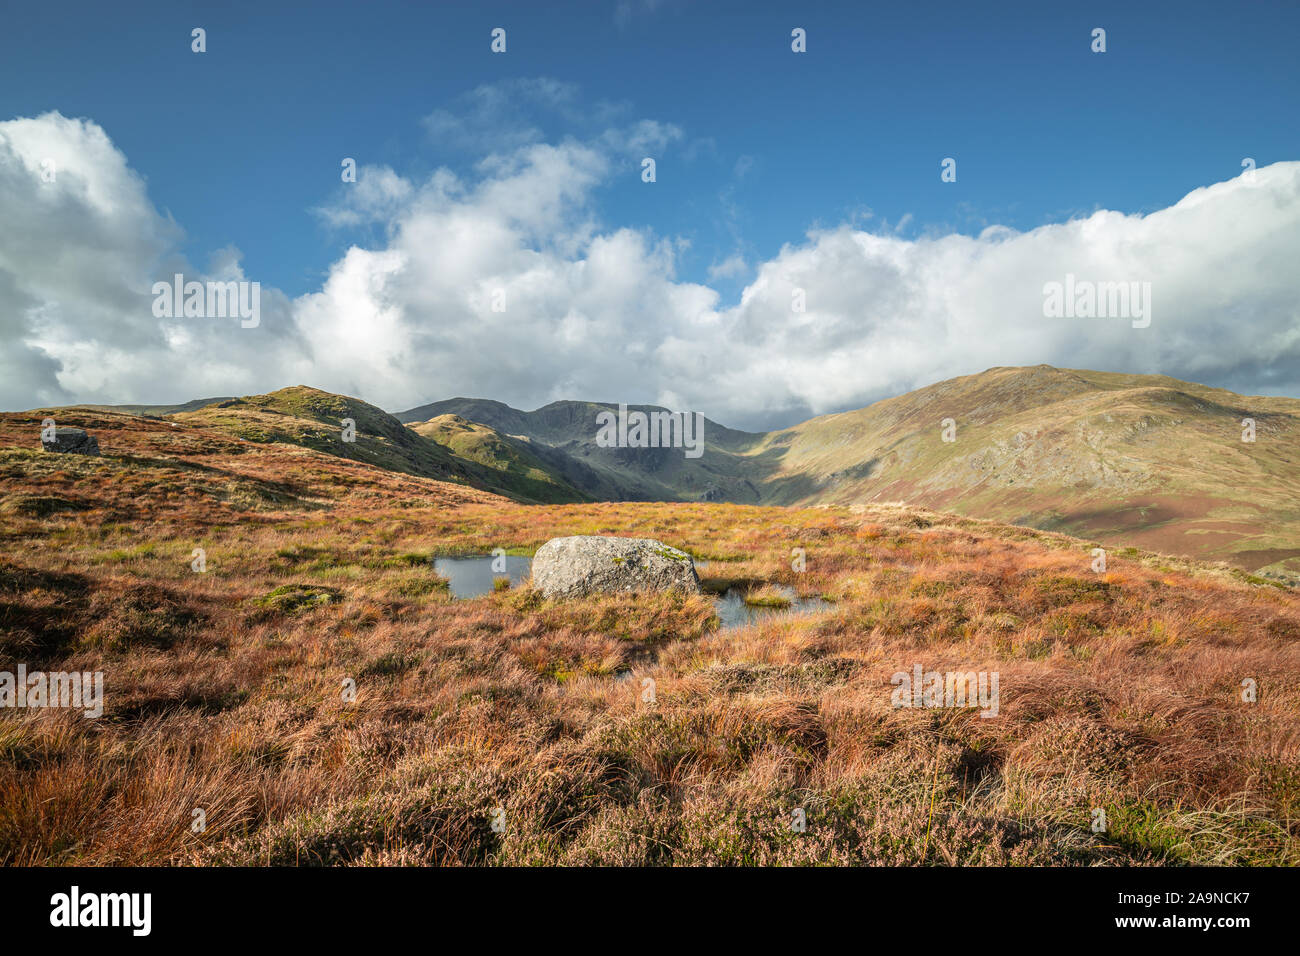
{"x":1119,"y":691}
{"x":1143,"y":460}
{"x":315,"y":419}
{"x":521,"y":470}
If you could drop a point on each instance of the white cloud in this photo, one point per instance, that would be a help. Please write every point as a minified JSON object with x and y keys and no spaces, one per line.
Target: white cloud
{"x":377,"y":196}
{"x":729,"y":268}
{"x":598,"y":312}
{"x":886,"y":314}
{"x":78,"y":257}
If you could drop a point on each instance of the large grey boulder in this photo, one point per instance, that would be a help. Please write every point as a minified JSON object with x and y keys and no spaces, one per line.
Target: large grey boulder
{"x":75,"y":441}
{"x":587,"y":564}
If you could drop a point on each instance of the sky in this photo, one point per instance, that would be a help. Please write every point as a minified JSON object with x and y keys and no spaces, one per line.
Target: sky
{"x":500,"y":239}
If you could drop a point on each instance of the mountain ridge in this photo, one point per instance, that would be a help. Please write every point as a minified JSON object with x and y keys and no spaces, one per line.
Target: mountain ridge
{"x":1125,"y":458}
{"x":1128,"y":460}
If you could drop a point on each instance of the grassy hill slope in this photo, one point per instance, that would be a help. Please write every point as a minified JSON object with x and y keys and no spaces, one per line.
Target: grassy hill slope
{"x":313,"y":419}
{"x":524,"y":471}
{"x":158,"y":410}
{"x":1147,"y":461}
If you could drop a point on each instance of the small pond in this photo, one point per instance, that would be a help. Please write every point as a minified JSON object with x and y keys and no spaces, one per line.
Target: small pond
{"x":473,"y":576}
{"x":733,"y":612}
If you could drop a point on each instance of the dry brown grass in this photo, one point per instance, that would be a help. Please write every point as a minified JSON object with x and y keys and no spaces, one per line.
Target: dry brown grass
{"x":223,"y":689}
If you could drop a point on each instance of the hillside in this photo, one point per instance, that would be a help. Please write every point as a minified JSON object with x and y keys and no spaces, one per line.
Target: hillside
{"x":224,"y":687}
{"x":159,"y":410}
{"x":313,"y":419}
{"x":1125,"y":460}
{"x":156,"y":476}
{"x":529,"y":476}
{"x":1144,"y":461}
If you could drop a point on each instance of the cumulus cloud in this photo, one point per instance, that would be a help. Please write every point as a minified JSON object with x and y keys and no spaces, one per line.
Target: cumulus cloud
{"x":504,"y":282}
{"x":886,"y":314}
{"x":76,"y":220}
{"x":80,"y":248}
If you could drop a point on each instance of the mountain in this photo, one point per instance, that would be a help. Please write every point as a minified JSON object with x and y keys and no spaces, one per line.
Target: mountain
{"x":568,"y":430}
{"x":536,"y":473}
{"x":314,"y":419}
{"x":1126,"y":461}
{"x":1131,"y":460}
{"x":1139,"y":460}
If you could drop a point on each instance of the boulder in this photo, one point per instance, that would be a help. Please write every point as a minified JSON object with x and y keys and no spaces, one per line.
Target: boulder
{"x":75,"y":441}
{"x":588,"y":564}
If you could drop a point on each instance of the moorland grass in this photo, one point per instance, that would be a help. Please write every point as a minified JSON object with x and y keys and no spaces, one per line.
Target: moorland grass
{"x":624,"y":729}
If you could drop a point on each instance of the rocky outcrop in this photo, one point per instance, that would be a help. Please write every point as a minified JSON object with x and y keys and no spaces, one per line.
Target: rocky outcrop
{"x":588,"y":564}
{"x":74,"y":441}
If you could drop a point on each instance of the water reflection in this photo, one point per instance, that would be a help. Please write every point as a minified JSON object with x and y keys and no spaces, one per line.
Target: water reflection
{"x":733,"y":612}
{"x":473,"y":576}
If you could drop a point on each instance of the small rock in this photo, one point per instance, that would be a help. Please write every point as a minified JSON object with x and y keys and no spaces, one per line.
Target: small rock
{"x":74,"y":441}
{"x":589,"y":564}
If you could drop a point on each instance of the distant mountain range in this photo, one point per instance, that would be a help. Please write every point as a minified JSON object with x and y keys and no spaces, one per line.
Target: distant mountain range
{"x":1130,"y":460}
{"x":565,"y":434}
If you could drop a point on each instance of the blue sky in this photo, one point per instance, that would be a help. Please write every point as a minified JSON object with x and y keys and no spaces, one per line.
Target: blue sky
{"x":779,"y":175}
{"x":239,"y":144}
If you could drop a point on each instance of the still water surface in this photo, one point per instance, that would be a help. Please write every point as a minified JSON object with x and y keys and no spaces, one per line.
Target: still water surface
{"x":473,"y":576}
